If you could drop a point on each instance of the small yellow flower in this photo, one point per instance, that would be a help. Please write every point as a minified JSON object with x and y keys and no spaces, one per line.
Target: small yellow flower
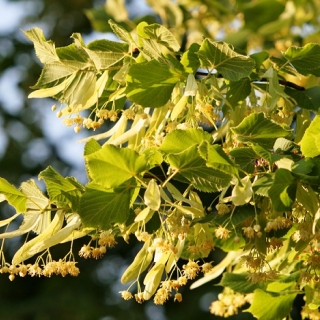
{"x":126,"y":295}
{"x":178,"y":297}
{"x":222,"y":233}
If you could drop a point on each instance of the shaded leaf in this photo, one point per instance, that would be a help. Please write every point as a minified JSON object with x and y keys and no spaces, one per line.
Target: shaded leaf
{"x":276,"y":91}
{"x":306,"y":59}
{"x":252,"y":13}
{"x":190,"y":59}
{"x":259,"y":58}
{"x":283,"y":190}
{"x":245,"y":158}
{"x":238,"y":91}
{"x":308,"y":99}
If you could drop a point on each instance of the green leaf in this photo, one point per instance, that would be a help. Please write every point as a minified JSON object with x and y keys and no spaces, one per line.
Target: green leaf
{"x":273,"y":27}
{"x":79,"y":90}
{"x":256,"y":128}
{"x":242,"y":213}
{"x":105,"y":53}
{"x":228,"y":245}
{"x":308,"y":99}
{"x":274,"y":88}
{"x":190,"y":59}
{"x":303,"y":166}
{"x":150,"y":84}
{"x":52,"y":74}
{"x":75,"y":55}
{"x":283,"y":190}
{"x":303,"y":121}
{"x":306,"y":59}
{"x":259,"y":58}
{"x":153,"y":156}
{"x":239,"y":282}
{"x":253,"y":19}
{"x":238,"y":91}
{"x":111,"y":166}
{"x":279,"y":286}
{"x":99,"y":208}
{"x":245,"y":158}
{"x":283,"y":145}
{"x":262,"y":185}
{"x":91,"y":146}
{"x":308,"y":198}
{"x":310,"y":143}
{"x":220,"y":56}
{"x":178,"y":140}
{"x":192,"y":167}
{"x":162,"y":35}
{"x":15,"y":197}
{"x":66,"y":191}
{"x":45,"y":50}
{"x":266,"y":306}
{"x":99,"y":19}
{"x":216,"y":158}
{"x":120,"y":31}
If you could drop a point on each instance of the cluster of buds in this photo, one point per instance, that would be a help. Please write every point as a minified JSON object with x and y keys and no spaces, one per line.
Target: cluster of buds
{"x":229,"y":302}
{"x":92,"y":252}
{"x":167,"y":287}
{"x":105,"y":239}
{"x":105,"y":114}
{"x":60,"y":267}
{"x":165,"y":290}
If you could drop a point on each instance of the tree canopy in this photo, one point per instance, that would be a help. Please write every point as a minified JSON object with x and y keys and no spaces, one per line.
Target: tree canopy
{"x":203,"y":126}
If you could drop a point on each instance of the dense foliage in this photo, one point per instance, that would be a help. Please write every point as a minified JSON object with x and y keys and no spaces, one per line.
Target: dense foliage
{"x":209,"y":147}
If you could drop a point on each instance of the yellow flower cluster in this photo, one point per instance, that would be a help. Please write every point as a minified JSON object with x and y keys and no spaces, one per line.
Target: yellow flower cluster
{"x":60,"y":267}
{"x":257,"y":277}
{"x":229,"y":302}
{"x":92,"y":252}
{"x":106,"y":239}
{"x":311,"y":314}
